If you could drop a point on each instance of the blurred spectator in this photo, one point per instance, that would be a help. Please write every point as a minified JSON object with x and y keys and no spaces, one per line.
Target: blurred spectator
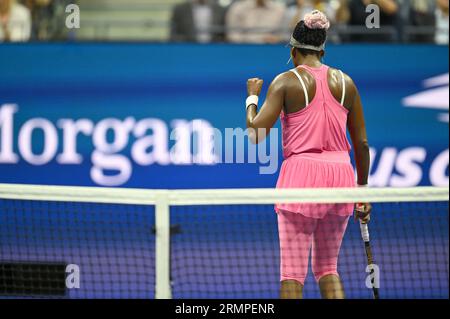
{"x":255,"y":21}
{"x":15,"y":22}
{"x":342,"y":13}
{"x":422,"y":14}
{"x":441,"y":36}
{"x":45,"y":19}
{"x":198,"y":21}
{"x":295,"y":13}
{"x":388,"y":19}
{"x":329,"y":7}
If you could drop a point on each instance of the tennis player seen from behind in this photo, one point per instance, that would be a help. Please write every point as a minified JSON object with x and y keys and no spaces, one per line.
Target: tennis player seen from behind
{"x":316,"y":104}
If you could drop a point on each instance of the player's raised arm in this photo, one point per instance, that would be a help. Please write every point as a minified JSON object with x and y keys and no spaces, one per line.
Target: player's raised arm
{"x":260,"y":123}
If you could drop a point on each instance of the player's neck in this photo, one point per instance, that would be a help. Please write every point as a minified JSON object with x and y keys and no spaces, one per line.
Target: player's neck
{"x":310,"y":60}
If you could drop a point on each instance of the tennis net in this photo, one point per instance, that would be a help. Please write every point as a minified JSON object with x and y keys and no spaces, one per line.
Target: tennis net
{"x":76,"y":242}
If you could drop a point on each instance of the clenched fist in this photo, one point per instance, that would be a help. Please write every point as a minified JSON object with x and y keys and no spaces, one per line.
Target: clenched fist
{"x":254,"y":86}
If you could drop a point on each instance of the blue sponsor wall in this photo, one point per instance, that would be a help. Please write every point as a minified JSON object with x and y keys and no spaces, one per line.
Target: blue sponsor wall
{"x":45,"y":89}
{"x":170,"y":82}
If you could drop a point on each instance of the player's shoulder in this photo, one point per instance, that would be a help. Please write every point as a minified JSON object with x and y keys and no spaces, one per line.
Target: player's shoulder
{"x":336,"y":75}
{"x":283,"y":78}
{"x":289,"y":77}
{"x":281,"y":81}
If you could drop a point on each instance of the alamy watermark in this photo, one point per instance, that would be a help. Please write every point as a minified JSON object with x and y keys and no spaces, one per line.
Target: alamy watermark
{"x":373,"y":279}
{"x":73,"y":17}
{"x":73,"y":276}
{"x":373,"y":19}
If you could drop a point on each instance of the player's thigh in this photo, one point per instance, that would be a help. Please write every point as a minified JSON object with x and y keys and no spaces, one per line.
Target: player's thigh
{"x":327,"y":240}
{"x":296,"y":234}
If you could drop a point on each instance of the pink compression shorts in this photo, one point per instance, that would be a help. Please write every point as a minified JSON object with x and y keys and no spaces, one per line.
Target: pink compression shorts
{"x":298,"y":233}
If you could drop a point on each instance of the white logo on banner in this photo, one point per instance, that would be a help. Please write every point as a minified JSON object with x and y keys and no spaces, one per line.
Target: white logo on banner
{"x":403,"y":168}
{"x":436,"y":96}
{"x":152,"y":141}
{"x":149,"y":141}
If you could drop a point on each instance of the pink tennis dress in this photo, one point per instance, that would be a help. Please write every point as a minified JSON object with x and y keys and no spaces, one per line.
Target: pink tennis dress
{"x":316,"y":148}
{"x":316,"y":152}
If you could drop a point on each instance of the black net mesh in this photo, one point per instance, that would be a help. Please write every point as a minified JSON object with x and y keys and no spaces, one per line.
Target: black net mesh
{"x":113,"y":246}
{"x":233,"y":252}
{"x":228,"y":251}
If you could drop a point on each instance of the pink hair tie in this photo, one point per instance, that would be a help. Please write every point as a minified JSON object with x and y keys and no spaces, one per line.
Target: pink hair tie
{"x":317,"y":20}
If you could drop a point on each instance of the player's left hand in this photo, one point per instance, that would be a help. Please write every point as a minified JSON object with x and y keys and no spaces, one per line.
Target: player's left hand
{"x":254,"y":86}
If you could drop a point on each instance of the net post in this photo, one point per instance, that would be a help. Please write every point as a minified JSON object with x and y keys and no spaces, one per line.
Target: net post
{"x":162,"y":246}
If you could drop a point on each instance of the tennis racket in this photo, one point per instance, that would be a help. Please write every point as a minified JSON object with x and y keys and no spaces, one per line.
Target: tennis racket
{"x":366,"y":238}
